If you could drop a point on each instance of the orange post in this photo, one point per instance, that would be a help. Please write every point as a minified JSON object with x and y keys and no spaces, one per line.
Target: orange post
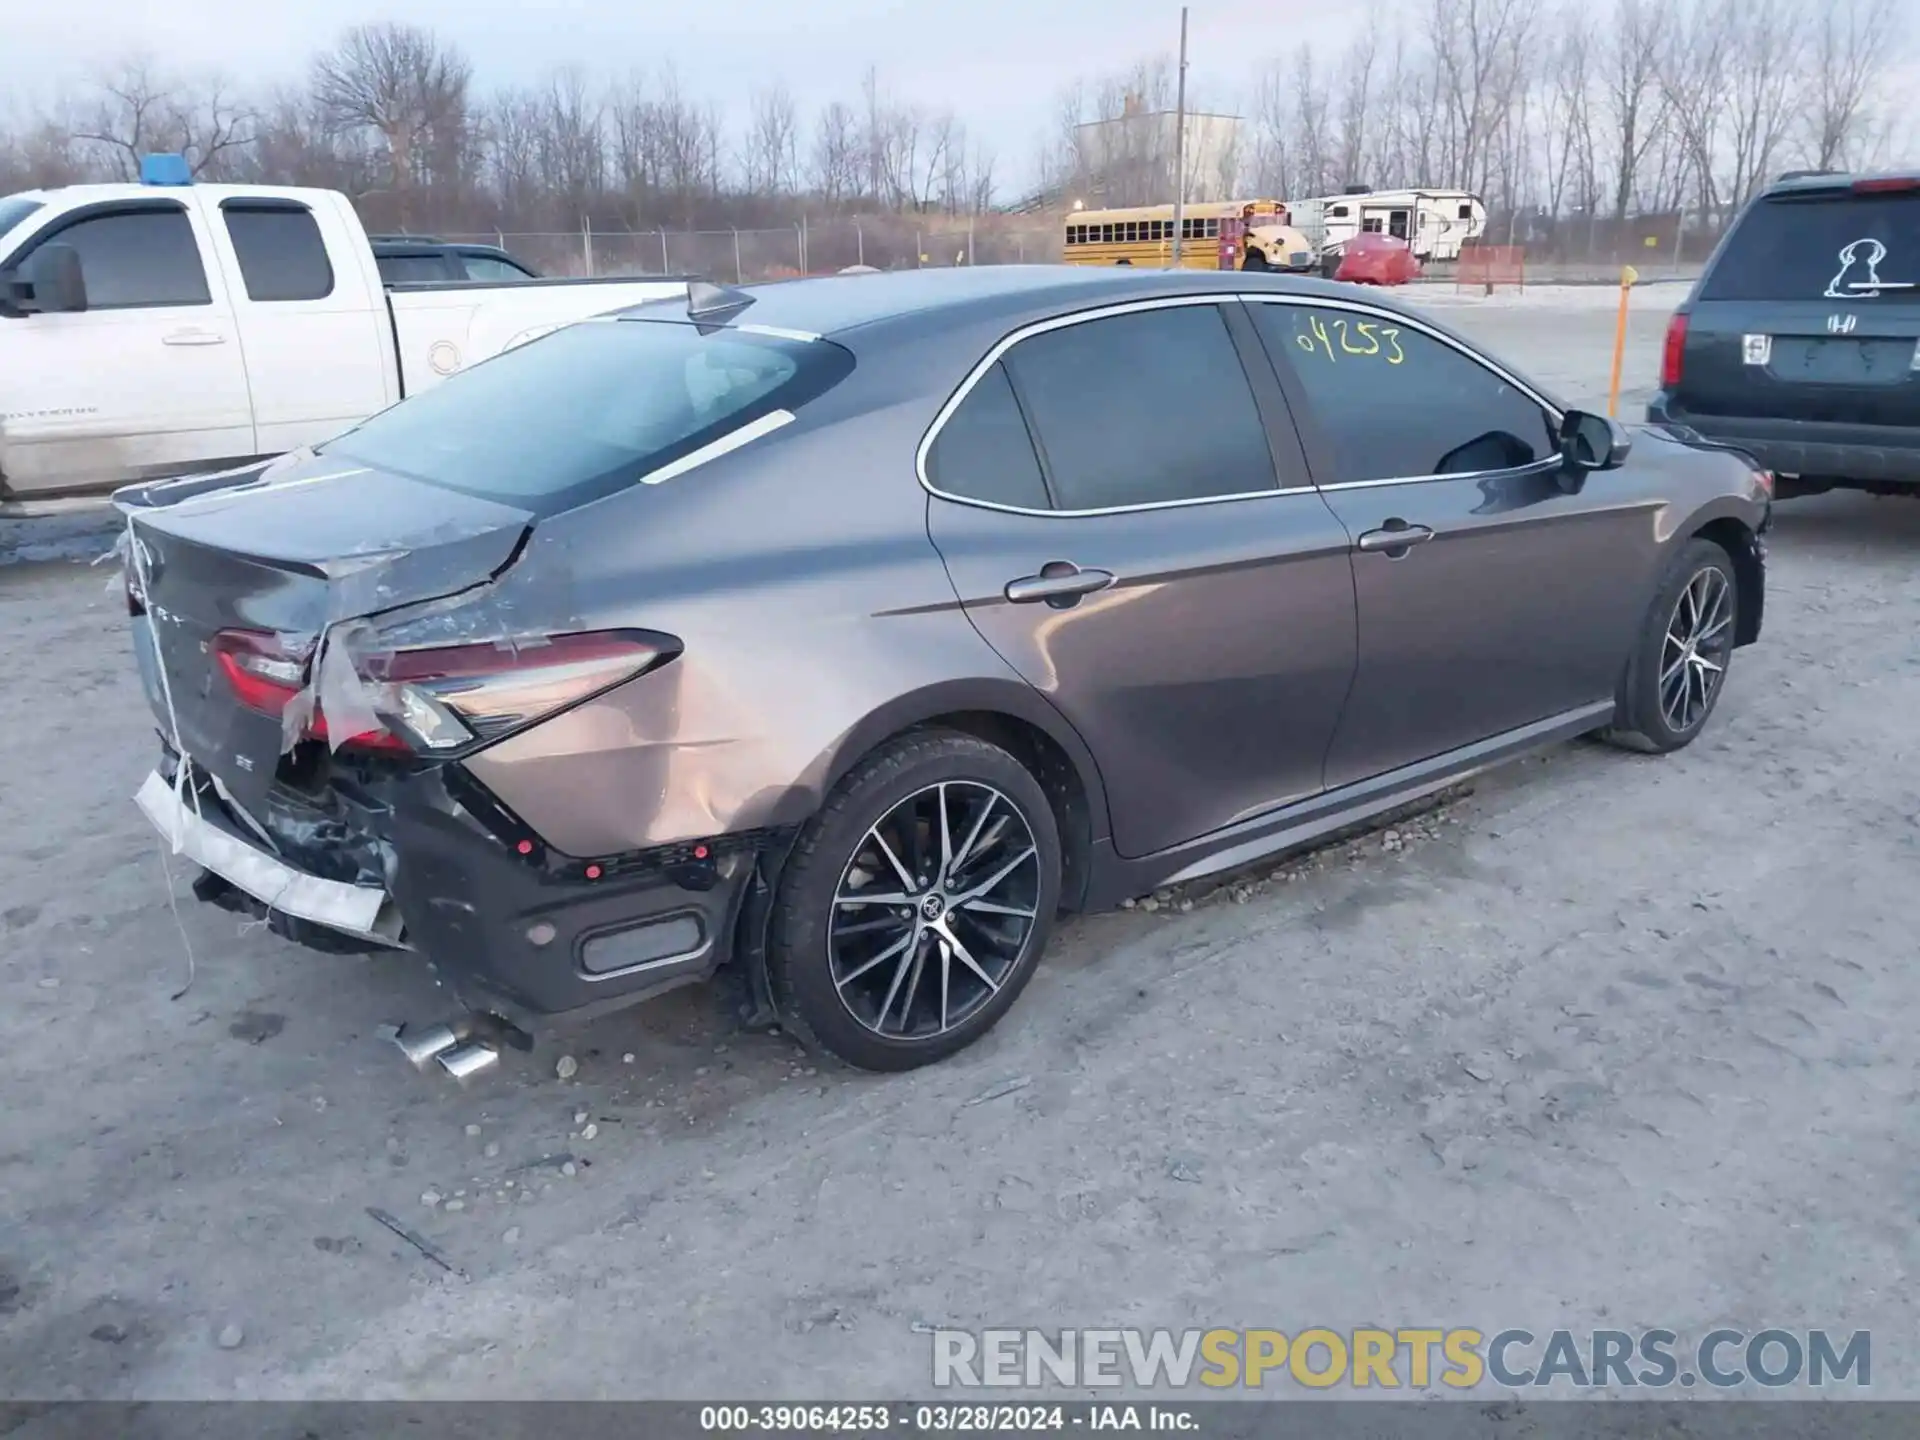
{"x":1627,"y":277}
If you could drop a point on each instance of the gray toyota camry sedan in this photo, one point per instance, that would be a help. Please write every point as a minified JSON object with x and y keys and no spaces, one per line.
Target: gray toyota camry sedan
{"x":848,"y":631}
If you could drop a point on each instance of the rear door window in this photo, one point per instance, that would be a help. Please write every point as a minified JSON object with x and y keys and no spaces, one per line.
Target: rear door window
{"x":590,"y":409}
{"x":984,"y":451}
{"x":1146,"y":408}
{"x":1822,"y":247}
{"x":281,"y":254}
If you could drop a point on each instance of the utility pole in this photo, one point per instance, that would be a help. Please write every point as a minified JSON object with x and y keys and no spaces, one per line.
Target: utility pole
{"x":1180,"y":144}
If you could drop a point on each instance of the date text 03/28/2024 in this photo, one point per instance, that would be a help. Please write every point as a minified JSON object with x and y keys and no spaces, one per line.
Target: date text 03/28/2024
{"x":942,"y":1419}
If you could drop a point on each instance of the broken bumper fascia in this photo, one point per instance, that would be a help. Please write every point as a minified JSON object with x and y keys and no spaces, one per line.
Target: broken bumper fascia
{"x":206,"y":837}
{"x":525,"y":937}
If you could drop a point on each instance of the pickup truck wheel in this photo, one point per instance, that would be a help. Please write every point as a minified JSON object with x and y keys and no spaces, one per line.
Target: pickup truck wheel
{"x":916,"y":904}
{"x":1679,"y":663}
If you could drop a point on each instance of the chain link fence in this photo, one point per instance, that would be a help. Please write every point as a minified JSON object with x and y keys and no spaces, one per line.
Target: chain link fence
{"x":1566,"y":249}
{"x":803,"y":248}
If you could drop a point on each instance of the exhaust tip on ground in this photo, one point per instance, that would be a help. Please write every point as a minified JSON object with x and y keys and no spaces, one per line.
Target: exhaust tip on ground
{"x":468,"y":1061}
{"x":422,"y":1047}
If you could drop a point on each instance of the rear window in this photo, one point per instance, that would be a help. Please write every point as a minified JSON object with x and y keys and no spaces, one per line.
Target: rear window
{"x":1834,"y":247}
{"x":590,"y":409}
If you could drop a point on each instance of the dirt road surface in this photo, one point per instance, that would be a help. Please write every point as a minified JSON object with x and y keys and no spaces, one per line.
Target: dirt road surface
{"x":1609,"y":1042}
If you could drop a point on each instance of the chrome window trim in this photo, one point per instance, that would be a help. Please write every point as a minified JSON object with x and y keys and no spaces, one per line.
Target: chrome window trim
{"x":1224,"y":297}
{"x":1061,"y":322}
{"x":1483,"y":361}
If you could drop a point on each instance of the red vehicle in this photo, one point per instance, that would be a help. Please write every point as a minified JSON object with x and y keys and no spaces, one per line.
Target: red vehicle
{"x":1371,"y":259}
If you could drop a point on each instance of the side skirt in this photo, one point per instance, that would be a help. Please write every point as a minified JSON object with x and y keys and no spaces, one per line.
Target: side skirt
{"x":1305,"y":821}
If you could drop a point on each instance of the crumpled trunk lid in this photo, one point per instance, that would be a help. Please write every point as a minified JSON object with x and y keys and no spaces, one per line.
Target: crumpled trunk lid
{"x":292,"y":549}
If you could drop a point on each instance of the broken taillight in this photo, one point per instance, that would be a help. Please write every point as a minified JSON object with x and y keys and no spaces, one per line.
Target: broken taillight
{"x":263,"y":676}
{"x":445,"y":698}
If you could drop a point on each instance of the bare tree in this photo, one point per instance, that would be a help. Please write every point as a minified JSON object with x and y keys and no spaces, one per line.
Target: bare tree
{"x":1635,"y":102}
{"x":1853,"y":44}
{"x":1271,"y":164}
{"x":399,"y":82}
{"x":771,"y":157}
{"x":1311,"y":105}
{"x":570,"y":142}
{"x":1769,"y":48}
{"x":835,"y":160}
{"x":1569,"y":158}
{"x":1478,"y":48}
{"x":141,"y":112}
{"x":1349,"y":138}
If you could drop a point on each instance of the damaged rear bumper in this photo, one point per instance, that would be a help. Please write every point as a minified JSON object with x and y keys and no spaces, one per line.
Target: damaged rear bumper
{"x":514,"y":929}
{"x":211,"y":840}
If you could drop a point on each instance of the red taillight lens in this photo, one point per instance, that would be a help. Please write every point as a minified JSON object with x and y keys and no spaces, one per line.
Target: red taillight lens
{"x":1885,"y":184}
{"x":263,"y":675}
{"x":1673,"y":354}
{"x":445,"y":698}
{"x":1765,"y":477}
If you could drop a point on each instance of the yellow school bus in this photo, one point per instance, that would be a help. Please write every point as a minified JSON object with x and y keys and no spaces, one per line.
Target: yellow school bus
{"x":1245,"y":234}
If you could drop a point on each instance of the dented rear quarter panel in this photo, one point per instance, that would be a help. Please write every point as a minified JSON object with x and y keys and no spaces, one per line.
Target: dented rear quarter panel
{"x":815,"y":613}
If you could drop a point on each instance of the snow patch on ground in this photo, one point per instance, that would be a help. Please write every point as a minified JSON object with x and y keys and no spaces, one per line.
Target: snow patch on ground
{"x":1654,"y":295}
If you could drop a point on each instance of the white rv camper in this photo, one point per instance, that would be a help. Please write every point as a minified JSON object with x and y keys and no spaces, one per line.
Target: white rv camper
{"x":1435,"y":223}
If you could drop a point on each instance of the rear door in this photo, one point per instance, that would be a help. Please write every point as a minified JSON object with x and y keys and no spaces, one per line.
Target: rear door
{"x":1106,"y":500}
{"x":149,"y":379}
{"x":1488,"y":597}
{"x":314,"y":330}
{"x":1811,"y":312}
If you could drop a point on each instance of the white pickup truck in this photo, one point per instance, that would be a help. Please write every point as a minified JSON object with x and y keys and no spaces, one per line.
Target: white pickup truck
{"x":156,"y":329}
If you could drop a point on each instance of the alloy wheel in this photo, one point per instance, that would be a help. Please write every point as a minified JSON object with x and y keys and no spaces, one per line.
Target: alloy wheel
{"x":934,"y":910}
{"x":1693,"y":659}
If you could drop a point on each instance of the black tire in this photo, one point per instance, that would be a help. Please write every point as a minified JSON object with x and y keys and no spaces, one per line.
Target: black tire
{"x":815,"y":984}
{"x":1254,"y":260}
{"x":1648,"y":717}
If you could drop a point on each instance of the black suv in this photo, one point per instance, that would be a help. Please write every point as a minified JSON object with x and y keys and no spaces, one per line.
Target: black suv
{"x":1799,"y":343}
{"x":408,"y":259}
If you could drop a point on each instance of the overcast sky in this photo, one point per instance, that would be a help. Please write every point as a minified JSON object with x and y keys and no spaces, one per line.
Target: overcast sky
{"x":999,"y":63}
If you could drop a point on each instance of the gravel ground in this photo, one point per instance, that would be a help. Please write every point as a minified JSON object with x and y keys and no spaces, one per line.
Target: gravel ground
{"x":1607,"y":1041}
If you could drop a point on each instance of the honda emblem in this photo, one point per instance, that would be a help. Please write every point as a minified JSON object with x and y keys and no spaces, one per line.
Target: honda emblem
{"x":1841,"y":324}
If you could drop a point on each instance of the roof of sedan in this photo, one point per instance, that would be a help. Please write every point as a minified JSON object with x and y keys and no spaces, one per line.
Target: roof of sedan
{"x":834,"y":304}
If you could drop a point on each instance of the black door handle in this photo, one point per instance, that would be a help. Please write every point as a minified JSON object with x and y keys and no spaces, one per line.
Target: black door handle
{"x":1394,"y":538}
{"x":1060,"y":583}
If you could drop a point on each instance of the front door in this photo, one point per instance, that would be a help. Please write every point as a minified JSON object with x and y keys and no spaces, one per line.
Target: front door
{"x":148,"y":380}
{"x":1489,"y":598}
{"x":1105,"y":499}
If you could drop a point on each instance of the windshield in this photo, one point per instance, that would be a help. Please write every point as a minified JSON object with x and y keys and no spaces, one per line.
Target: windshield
{"x":14,"y":209}
{"x":589,"y":409}
{"x":1825,"y":247}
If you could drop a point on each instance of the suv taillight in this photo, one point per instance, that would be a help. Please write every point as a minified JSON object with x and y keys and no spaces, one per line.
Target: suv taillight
{"x":1674,"y":353}
{"x":446,"y":698}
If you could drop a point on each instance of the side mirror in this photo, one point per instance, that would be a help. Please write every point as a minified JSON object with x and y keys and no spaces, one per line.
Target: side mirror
{"x":52,"y":273}
{"x":1591,"y":442}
